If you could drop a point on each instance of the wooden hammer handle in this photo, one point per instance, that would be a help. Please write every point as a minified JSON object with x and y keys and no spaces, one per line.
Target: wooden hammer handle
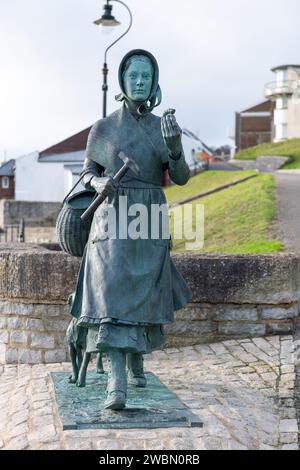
{"x":100,"y":198}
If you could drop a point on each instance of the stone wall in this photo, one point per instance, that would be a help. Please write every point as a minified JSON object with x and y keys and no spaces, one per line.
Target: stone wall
{"x":201,"y":323}
{"x":234,"y":296}
{"x":35,"y":214}
{"x":40,"y":235}
{"x":33,"y":333}
{"x":265,"y":164}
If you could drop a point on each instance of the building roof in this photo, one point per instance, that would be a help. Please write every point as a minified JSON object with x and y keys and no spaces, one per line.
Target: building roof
{"x":283,"y":67}
{"x":265,"y":106}
{"x":75,"y":143}
{"x":7,"y":169}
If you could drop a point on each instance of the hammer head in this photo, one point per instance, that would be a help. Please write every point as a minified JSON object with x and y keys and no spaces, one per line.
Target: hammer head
{"x":130,"y":163}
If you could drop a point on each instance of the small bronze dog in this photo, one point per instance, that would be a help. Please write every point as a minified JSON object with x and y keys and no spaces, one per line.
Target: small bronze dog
{"x":76,"y":337}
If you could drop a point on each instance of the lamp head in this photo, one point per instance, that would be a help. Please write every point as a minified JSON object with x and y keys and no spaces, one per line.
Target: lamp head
{"x":107,"y":19}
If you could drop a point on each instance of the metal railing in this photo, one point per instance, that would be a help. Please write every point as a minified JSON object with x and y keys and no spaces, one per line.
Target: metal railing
{"x":277,"y":89}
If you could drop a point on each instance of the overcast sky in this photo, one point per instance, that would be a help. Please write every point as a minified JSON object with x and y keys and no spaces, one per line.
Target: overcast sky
{"x":214,"y":55}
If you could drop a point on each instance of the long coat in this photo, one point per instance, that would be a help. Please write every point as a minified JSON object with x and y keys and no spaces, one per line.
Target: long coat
{"x":130,"y":280}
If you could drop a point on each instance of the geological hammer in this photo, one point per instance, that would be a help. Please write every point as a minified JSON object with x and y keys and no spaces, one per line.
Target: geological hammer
{"x":128,"y":165}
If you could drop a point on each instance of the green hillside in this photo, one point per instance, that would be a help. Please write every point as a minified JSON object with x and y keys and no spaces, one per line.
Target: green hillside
{"x":238,"y":219}
{"x":288,"y":148}
{"x":204,"y":182}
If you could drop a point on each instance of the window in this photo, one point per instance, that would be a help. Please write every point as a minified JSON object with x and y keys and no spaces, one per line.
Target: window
{"x":5,"y":182}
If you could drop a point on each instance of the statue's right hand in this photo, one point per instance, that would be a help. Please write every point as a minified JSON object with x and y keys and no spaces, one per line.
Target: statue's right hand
{"x":105,"y":185}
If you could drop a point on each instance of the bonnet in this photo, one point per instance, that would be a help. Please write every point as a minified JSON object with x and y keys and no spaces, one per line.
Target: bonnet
{"x":155,"y":94}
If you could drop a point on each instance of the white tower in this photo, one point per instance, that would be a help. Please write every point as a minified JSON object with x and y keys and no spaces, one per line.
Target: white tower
{"x":287,"y":103}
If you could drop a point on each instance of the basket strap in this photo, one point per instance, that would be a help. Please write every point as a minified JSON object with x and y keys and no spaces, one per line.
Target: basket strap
{"x":75,"y":185}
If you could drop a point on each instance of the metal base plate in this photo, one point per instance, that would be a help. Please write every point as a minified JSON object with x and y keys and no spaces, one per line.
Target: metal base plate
{"x":152,"y":407}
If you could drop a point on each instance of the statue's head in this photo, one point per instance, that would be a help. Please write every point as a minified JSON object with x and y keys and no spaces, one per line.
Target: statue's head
{"x":138,"y":78}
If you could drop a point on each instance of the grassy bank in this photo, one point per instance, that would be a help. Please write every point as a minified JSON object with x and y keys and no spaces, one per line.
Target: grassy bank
{"x":238,"y":219}
{"x":288,"y":148}
{"x":204,"y":182}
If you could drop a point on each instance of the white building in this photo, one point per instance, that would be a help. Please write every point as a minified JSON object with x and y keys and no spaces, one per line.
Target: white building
{"x":285,"y":92}
{"x":49,"y":175}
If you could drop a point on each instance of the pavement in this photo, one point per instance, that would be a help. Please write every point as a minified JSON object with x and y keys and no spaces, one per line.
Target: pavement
{"x":288,"y":202}
{"x":223,"y":166}
{"x":243,"y":391}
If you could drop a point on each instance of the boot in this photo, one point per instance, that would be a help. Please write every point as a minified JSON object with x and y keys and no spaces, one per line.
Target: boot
{"x":116,"y":390}
{"x":135,"y":373}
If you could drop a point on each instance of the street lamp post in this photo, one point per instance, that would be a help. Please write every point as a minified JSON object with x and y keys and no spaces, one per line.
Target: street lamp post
{"x":108,"y":20}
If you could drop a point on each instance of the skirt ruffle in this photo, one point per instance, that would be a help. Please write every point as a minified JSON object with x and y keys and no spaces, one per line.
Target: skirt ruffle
{"x":141,"y":339}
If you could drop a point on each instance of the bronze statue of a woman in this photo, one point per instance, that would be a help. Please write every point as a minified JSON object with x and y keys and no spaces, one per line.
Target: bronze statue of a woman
{"x":128,"y":288}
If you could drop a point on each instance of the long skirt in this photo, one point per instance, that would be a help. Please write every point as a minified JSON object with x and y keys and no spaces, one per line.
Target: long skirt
{"x":141,"y":339}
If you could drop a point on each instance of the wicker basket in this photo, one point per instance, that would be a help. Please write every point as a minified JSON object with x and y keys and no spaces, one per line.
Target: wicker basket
{"x":72,"y":233}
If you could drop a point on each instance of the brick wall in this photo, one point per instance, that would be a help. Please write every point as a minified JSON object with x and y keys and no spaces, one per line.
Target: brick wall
{"x":7,"y":193}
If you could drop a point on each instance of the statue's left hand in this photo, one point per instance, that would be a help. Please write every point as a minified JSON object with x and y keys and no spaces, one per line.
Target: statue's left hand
{"x":171,"y":132}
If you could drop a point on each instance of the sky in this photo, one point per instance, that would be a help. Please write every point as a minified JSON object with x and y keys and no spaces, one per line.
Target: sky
{"x":215,"y":57}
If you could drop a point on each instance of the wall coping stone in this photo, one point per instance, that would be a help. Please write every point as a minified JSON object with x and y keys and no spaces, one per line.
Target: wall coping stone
{"x":33,"y":274}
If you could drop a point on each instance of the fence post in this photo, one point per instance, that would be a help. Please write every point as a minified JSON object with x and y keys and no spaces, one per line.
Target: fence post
{"x":21,"y":238}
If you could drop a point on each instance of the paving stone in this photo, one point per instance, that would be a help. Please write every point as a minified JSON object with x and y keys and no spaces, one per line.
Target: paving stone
{"x":52,"y":446}
{"x":274,"y":340}
{"x":39,"y":421}
{"x":214,"y":443}
{"x":290,"y":447}
{"x":289,"y":438}
{"x":134,"y":434}
{"x":18,"y":443}
{"x":243,"y":355}
{"x":258,"y":353}
{"x":40,"y":397}
{"x":17,"y":430}
{"x":42,"y":410}
{"x":20,"y":417}
{"x":266,"y":447}
{"x":265,"y":346}
{"x":233,"y":387}
{"x":288,"y":425}
{"x":79,"y":444}
{"x":235,"y":445}
{"x":288,"y":413}
{"x":287,"y":369}
{"x":43,"y":434}
{"x":107,"y":444}
{"x":285,"y":393}
{"x":269,"y":377}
